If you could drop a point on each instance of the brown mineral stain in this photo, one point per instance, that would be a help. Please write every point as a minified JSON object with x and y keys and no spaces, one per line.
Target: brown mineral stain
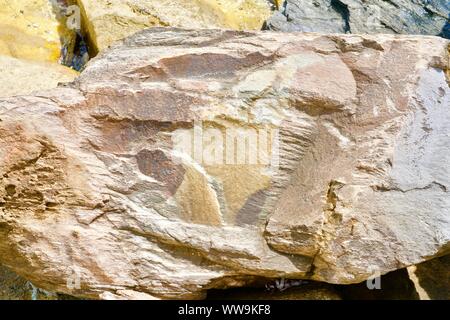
{"x":156,"y":164}
{"x":211,"y":64}
{"x":149,"y":105}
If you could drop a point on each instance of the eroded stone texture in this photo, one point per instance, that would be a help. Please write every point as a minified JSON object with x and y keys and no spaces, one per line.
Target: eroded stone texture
{"x":364,"y":16}
{"x":31,"y":30}
{"x":33,"y":41}
{"x":112,"y":20}
{"x":25,"y":76}
{"x":97,"y":200}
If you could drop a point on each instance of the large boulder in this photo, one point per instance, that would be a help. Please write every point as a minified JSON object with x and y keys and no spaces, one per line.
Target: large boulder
{"x":34,"y":40}
{"x":364,"y":16}
{"x":34,"y":30}
{"x":25,"y":76}
{"x":107,"y":21}
{"x":181,"y":161}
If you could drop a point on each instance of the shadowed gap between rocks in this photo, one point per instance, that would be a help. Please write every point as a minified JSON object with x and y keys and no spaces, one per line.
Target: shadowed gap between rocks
{"x":342,"y":9}
{"x":74,"y":55}
{"x":395,"y":285}
{"x":445,"y":33}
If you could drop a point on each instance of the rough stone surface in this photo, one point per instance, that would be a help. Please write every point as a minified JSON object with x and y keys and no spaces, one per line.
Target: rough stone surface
{"x":364,"y":16}
{"x":107,"y":21}
{"x":25,"y":76}
{"x":31,"y":30}
{"x":32,"y":39}
{"x":97,"y":201}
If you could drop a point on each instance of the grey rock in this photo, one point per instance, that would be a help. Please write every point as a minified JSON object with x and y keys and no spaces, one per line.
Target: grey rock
{"x":428,"y":17}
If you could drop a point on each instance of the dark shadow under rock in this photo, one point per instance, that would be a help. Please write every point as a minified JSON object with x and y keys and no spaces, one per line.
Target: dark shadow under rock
{"x":432,"y":278}
{"x":393,"y":286}
{"x":14,"y":287}
{"x":307,"y":291}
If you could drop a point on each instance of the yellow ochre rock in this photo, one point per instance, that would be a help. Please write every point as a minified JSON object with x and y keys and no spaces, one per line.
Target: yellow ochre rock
{"x":109,"y":20}
{"x":278,"y":3}
{"x":29,"y":29}
{"x":19,"y":77}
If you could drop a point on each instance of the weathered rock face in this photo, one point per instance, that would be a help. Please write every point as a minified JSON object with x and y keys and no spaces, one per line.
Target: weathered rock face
{"x":364,"y":16}
{"x":25,"y":76}
{"x":32,"y":43}
{"x":107,"y":21}
{"x":31,"y":30}
{"x":138,"y":180}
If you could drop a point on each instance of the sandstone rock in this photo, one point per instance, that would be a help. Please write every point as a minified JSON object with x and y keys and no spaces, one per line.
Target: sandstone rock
{"x":364,"y":16}
{"x":31,"y":30}
{"x":133,"y":179}
{"x":432,"y":278}
{"x":32,"y":40}
{"x":107,"y":21}
{"x":24,"y":76}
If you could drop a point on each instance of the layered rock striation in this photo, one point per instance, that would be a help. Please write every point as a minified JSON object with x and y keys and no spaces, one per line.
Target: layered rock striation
{"x":181,"y":161}
{"x":109,"y":21}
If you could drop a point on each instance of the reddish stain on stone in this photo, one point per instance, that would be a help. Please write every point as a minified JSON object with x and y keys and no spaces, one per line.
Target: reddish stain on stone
{"x":155,"y":164}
